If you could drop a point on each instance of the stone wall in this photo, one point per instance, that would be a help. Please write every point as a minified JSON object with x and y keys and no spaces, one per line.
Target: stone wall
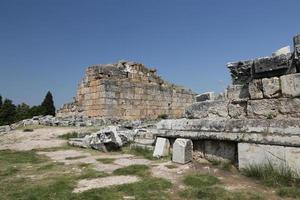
{"x":127,"y":90}
{"x":255,"y":121}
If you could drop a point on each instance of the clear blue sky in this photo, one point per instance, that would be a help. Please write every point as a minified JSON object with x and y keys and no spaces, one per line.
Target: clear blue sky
{"x":47,"y":44}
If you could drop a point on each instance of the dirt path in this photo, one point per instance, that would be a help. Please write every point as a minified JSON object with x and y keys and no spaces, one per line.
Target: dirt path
{"x":39,"y":138}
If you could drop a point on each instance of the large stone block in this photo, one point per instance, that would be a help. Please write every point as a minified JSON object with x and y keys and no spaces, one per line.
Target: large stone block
{"x":290,"y":85}
{"x":274,"y":108}
{"x":257,"y":154}
{"x":162,"y":147}
{"x":278,"y":156}
{"x":271,"y":87}
{"x":182,"y":151}
{"x":207,"y":109}
{"x":256,"y":89}
{"x":237,"y":92}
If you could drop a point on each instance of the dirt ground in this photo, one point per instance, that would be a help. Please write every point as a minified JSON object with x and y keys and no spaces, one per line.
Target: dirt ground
{"x":48,"y":137}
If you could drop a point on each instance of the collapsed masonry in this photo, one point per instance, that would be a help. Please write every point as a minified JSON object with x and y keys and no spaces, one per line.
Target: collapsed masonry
{"x":256,"y":121}
{"x":126,"y":90}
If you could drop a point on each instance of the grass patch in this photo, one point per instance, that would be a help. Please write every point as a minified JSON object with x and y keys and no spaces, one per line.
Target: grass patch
{"x":138,"y":151}
{"x":200,"y":180}
{"x":29,"y":176}
{"x":75,"y":158}
{"x":139,"y":170}
{"x":207,"y":187}
{"x":67,"y":136}
{"x":273,"y":176}
{"x":291,"y":192}
{"x":106,"y":160}
{"x":27,"y":130}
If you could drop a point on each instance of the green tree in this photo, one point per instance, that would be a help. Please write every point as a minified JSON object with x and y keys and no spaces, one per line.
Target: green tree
{"x":7,"y":112}
{"x":36,"y":110}
{"x":48,"y":104}
{"x":0,"y":101}
{"x":23,"y":112}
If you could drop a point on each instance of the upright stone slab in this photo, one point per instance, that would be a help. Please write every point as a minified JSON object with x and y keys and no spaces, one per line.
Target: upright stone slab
{"x":182,"y":151}
{"x":290,"y":85}
{"x":162,"y":147}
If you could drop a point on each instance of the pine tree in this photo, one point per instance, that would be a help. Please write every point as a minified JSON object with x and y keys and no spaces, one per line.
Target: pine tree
{"x":7,"y":112}
{"x":48,"y":105}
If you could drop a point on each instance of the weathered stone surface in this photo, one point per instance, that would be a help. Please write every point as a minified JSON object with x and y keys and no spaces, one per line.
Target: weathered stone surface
{"x":237,"y":92}
{"x":162,"y":147}
{"x":271,"y":87}
{"x":205,"y":96}
{"x":274,"y":108}
{"x":283,"y":50}
{"x":216,"y":150}
{"x":271,"y":66}
{"x":256,"y":89}
{"x":207,"y":109}
{"x":278,"y":156}
{"x":182,"y":151}
{"x":241,"y":72}
{"x":290,"y":85}
{"x":126,"y":90}
{"x":237,"y":110}
{"x":257,"y":154}
{"x":262,"y":131}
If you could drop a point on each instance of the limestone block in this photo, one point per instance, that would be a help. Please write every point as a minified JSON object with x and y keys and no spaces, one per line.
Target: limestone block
{"x":255,"y":89}
{"x":292,"y":156}
{"x":207,"y":109}
{"x":237,"y":92}
{"x":271,"y":87}
{"x":264,"y":108}
{"x":162,"y":147}
{"x":182,"y":151}
{"x":237,"y":110}
{"x":257,"y":154}
{"x":205,"y":96}
{"x":290,"y":85}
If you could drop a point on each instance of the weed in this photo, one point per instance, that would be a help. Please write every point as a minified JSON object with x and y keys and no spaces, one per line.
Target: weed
{"x":200,"y":180}
{"x":139,"y":170}
{"x":291,"y":192}
{"x":106,"y":160}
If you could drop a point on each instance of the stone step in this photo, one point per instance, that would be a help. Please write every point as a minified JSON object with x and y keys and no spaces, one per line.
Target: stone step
{"x":146,"y":135}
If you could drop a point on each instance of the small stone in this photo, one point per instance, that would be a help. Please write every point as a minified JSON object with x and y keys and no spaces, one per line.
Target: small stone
{"x":182,"y":151}
{"x":162,"y":147}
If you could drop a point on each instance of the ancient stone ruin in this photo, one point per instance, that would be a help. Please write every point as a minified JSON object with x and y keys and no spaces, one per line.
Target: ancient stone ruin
{"x":126,"y":90}
{"x":256,"y":120}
